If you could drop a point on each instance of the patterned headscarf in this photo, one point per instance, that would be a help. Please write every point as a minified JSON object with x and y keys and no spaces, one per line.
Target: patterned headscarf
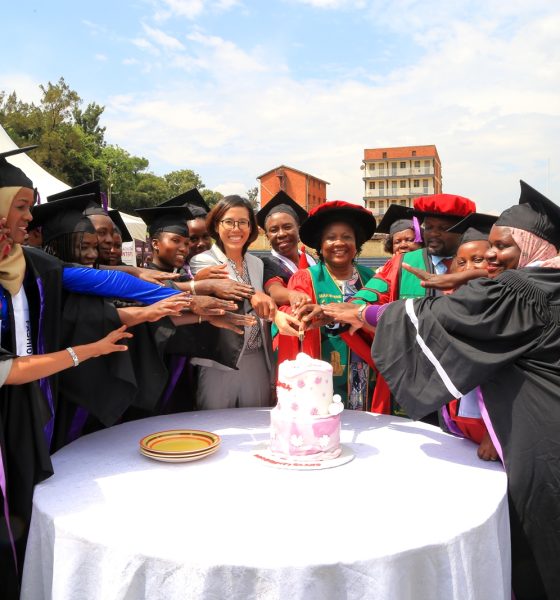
{"x":533,"y":248}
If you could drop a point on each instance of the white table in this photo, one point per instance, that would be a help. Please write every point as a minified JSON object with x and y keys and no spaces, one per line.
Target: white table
{"x":416,"y":515}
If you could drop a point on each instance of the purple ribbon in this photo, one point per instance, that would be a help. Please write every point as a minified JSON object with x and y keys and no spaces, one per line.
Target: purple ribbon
{"x":104,"y":202}
{"x":488,"y":423}
{"x":44,"y":383}
{"x":77,"y":425}
{"x":177,"y":366}
{"x":7,"y":510}
{"x":417,"y":233}
{"x":450,"y":424}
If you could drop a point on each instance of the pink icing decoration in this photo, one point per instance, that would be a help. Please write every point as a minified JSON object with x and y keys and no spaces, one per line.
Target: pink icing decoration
{"x":317,"y":380}
{"x":301,"y":383}
{"x":325,"y":427}
{"x":314,"y":411}
{"x":294,"y":406}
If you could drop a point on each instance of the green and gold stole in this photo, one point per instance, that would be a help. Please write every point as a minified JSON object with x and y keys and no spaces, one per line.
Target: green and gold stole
{"x":333,"y":348}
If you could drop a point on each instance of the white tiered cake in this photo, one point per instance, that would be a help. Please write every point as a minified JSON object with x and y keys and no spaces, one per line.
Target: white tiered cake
{"x":306,"y":420}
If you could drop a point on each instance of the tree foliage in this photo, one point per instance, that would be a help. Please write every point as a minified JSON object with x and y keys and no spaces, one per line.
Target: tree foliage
{"x":72,"y":147}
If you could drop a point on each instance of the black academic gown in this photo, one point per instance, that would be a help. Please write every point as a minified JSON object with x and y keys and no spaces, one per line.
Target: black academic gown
{"x":26,"y":416}
{"x":504,"y":336}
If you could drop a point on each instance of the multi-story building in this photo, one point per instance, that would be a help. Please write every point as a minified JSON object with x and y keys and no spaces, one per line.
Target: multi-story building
{"x":308,"y":191}
{"x":398,"y":175}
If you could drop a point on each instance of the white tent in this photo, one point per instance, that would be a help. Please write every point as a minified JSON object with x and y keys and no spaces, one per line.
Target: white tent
{"x":48,"y":185}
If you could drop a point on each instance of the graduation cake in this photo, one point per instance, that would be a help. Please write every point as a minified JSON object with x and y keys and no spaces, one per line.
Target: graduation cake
{"x":306,"y":420}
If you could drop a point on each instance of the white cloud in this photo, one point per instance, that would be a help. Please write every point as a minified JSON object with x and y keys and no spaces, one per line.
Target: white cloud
{"x":101,"y":57}
{"x":232,"y":187}
{"x":191,"y":9}
{"x":25,"y":86}
{"x":490,"y":102}
{"x":160,"y":38}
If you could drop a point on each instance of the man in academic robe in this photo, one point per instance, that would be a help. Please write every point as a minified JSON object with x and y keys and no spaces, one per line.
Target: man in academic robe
{"x":438,"y":212}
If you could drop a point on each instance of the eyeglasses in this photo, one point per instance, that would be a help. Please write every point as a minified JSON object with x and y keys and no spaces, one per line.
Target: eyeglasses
{"x":240,"y":223}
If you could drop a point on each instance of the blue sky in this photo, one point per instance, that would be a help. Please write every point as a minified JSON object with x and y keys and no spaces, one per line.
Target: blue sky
{"x":232,"y":88}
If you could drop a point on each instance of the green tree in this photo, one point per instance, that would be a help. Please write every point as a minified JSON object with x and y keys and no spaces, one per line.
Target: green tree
{"x":182,"y":181}
{"x":211,"y":197}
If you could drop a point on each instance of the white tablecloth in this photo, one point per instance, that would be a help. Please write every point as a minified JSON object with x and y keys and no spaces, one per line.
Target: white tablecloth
{"x":416,"y":515}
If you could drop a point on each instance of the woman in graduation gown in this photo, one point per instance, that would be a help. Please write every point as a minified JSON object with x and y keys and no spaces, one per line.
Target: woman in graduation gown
{"x":502,"y":334}
{"x":336,"y":230}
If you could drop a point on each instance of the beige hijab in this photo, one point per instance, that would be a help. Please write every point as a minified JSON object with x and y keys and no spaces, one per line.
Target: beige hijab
{"x":12,"y":268}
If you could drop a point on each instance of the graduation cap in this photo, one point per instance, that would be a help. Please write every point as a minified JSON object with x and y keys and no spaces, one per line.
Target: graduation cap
{"x":89,"y":187}
{"x":534,"y":213}
{"x":115,"y":216}
{"x":60,"y":217}
{"x":10,"y":175}
{"x":281,"y":203}
{"x":193,"y":200}
{"x":166,"y":218}
{"x":396,"y":218}
{"x":474,"y":227}
{"x":443,"y":206}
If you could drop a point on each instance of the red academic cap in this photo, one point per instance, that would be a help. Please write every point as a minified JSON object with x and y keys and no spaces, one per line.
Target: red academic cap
{"x":443,"y":205}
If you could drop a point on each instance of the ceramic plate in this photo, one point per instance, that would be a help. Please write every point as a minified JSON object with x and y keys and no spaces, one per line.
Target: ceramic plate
{"x":179,"y":459}
{"x":266,"y":457}
{"x":179,"y":442}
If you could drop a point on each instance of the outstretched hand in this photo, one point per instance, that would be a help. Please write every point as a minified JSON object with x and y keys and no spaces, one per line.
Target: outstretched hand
{"x":448,"y":281}
{"x":208,"y":306}
{"x":108,"y":344}
{"x":232,"y":321}
{"x":344,"y":312}
{"x":213,"y":272}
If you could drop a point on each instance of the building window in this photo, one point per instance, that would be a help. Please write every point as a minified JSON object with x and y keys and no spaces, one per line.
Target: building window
{"x":371,"y":166}
{"x":372,"y":204}
{"x":403,"y":165}
{"x":403,"y":183}
{"x":414,"y":153}
{"x":394,"y":185}
{"x":384,"y":154}
{"x":381,"y":204}
{"x":416,"y":164}
{"x":416,"y":183}
{"x":381,"y":185}
{"x":372,"y":185}
{"x":424,"y":183}
{"x":403,"y":202}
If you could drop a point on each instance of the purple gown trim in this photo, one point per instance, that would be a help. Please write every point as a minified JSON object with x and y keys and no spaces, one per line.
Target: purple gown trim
{"x":449,"y":423}
{"x":177,"y":366}
{"x":7,"y":510}
{"x":44,"y":383}
{"x":488,"y":423}
{"x":78,"y":421}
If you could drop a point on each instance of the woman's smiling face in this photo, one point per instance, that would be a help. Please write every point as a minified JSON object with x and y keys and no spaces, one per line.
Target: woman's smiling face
{"x":19,"y":215}
{"x":503,"y":253}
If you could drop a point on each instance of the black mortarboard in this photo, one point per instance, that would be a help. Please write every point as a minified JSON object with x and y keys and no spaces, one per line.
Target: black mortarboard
{"x":63,"y":216}
{"x":534,"y":213}
{"x":89,"y":187}
{"x":193,"y":200}
{"x":281,"y":203}
{"x":474,"y":227}
{"x":166,"y":218}
{"x":115,"y":216}
{"x":397,"y":218}
{"x":10,"y":175}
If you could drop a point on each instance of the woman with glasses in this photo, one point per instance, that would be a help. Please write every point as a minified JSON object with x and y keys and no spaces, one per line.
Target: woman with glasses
{"x":233,"y":226}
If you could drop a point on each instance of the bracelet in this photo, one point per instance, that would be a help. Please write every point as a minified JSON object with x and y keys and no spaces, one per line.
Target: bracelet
{"x":74,"y":356}
{"x":193,"y":291}
{"x":360,"y":314}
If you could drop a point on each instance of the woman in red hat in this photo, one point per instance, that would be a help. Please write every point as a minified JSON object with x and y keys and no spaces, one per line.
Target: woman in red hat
{"x":336,"y":231}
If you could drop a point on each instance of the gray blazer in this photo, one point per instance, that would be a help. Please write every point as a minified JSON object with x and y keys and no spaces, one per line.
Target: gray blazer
{"x":255,"y":267}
